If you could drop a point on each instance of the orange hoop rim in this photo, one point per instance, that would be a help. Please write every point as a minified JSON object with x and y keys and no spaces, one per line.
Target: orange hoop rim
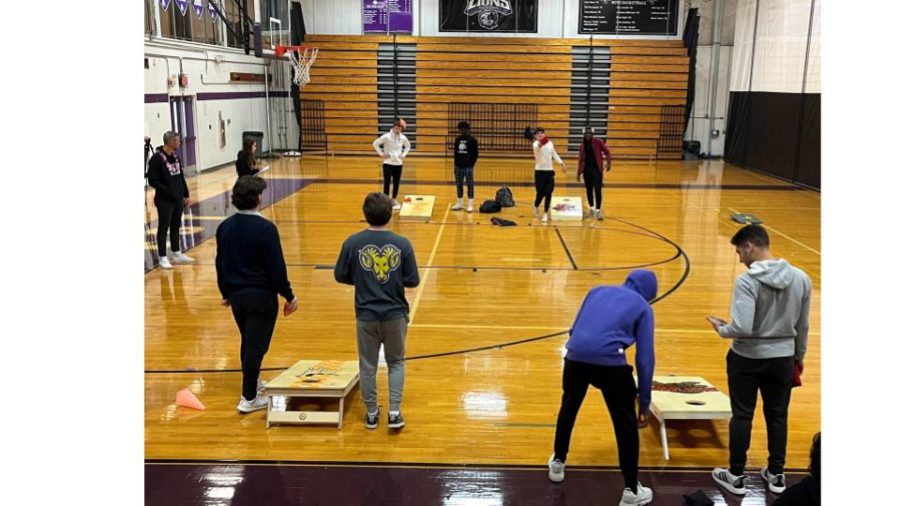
{"x":281,"y":50}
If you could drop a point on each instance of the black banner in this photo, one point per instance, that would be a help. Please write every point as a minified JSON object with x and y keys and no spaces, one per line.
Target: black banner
{"x":503,"y":16}
{"x":628,"y":17}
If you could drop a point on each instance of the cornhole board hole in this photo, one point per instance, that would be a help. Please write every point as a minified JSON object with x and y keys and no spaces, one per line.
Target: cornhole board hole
{"x":566,"y":209}
{"x":312,"y":380}
{"x":686,"y":398}
{"x":416,"y":207}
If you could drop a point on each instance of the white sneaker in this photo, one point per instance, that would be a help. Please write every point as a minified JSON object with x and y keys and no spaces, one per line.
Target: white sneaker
{"x":728,"y":481}
{"x":593,"y":212}
{"x":258,"y":403}
{"x":260,"y":387}
{"x":457,"y":206}
{"x":599,"y":214}
{"x":545,"y":218}
{"x":471,"y":208}
{"x":164,"y":263}
{"x":557,"y":469}
{"x":396,"y":205}
{"x":775,"y":481}
{"x":537,"y":212}
{"x":180,"y":258}
{"x":644,"y":496}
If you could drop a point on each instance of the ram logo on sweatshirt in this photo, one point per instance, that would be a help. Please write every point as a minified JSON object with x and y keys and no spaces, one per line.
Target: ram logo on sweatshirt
{"x":380,"y":261}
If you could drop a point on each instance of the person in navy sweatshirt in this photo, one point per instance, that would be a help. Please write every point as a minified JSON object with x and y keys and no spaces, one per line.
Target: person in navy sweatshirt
{"x":251,"y":274}
{"x":611,"y":319}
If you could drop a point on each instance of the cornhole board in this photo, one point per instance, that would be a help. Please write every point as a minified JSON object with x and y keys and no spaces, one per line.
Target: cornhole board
{"x":746,"y":218}
{"x":686,"y":398}
{"x":416,"y":207}
{"x":327,"y":379}
{"x":566,"y":209}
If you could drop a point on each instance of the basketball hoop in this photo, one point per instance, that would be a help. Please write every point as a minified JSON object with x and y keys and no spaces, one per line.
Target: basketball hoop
{"x":301,"y":58}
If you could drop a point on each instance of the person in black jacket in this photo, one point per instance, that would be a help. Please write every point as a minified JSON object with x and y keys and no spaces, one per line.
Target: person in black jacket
{"x":246,"y":159}
{"x":251,"y":273}
{"x":166,"y":175}
{"x":465,"y":154}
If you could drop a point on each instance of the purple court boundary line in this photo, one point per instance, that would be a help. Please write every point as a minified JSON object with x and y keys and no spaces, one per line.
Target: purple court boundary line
{"x":238,"y":95}
{"x":217,"y":206}
{"x":153,"y":98}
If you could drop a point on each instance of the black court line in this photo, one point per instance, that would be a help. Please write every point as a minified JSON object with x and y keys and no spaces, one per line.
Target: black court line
{"x":565,"y":247}
{"x":435,"y":465}
{"x":681,"y":280}
{"x":626,"y":186}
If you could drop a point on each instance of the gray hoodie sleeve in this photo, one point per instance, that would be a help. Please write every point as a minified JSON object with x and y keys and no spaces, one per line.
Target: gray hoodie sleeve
{"x":743,"y":309}
{"x":802,"y":326}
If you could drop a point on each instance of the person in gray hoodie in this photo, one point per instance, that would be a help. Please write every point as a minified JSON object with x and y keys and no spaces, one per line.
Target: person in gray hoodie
{"x":769,"y":327}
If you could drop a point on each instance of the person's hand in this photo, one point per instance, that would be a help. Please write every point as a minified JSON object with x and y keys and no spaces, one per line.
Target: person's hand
{"x":187,"y":202}
{"x":225,"y":302}
{"x":716,"y":322}
{"x":799,"y":364}
{"x":578,"y":178}
{"x":608,"y":166}
{"x":290,"y":307}
{"x":643,"y":420}
{"x":384,"y":156}
{"x":564,"y":168}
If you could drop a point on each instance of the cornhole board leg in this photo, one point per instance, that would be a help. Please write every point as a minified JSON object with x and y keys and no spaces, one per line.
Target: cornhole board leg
{"x":665,"y":441}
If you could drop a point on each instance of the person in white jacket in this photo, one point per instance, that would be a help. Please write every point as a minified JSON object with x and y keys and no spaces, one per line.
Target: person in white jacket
{"x":395,"y":148}
{"x":544,"y":154}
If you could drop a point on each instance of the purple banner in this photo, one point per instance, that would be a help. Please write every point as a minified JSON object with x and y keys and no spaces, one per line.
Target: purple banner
{"x":387,"y":16}
{"x":165,"y":4}
{"x":212,"y":11}
{"x":182,"y":6}
{"x":198,"y":8}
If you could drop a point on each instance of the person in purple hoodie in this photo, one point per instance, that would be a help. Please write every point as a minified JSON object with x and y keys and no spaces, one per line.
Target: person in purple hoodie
{"x":611,"y":319}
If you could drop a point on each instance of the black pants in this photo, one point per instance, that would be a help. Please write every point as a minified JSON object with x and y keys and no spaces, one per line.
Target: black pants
{"x":619,"y":392}
{"x":255,"y":316}
{"x":391,"y":172}
{"x":543,"y":185}
{"x":773,"y":378}
{"x":593,"y":183}
{"x":169,"y":218}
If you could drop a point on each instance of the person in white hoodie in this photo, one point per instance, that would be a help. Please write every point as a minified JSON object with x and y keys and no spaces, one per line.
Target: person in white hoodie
{"x":396,"y":147}
{"x":544,"y":154}
{"x":769,"y":327}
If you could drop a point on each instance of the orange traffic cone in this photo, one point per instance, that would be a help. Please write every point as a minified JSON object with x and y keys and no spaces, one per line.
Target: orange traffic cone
{"x":187,"y":399}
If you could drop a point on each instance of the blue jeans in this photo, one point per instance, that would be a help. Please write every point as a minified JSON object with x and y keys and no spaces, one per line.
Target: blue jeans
{"x":464,"y":173}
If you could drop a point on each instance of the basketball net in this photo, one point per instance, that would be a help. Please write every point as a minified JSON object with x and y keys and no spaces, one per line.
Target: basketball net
{"x":301,"y":61}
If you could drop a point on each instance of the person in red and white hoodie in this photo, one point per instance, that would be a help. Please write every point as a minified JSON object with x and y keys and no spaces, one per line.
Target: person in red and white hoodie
{"x":544,"y":155}
{"x":591,"y":165}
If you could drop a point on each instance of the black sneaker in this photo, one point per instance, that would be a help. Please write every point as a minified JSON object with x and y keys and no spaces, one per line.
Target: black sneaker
{"x":728,"y":481}
{"x":395,"y":421}
{"x":775,"y":481}
{"x":372,"y":419}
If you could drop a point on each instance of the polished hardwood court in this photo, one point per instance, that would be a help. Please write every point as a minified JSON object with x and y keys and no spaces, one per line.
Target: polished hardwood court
{"x":482,"y":289}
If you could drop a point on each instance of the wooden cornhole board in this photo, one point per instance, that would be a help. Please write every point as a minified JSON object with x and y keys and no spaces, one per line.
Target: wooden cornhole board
{"x":311,"y":379}
{"x":686,"y":398}
{"x":566,"y":209}
{"x":416,"y":207}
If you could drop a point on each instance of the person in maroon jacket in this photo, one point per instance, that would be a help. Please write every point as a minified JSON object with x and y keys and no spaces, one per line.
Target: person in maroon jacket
{"x":591,"y":165}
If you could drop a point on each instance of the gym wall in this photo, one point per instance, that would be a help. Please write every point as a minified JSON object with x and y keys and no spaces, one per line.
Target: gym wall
{"x":775,"y":93}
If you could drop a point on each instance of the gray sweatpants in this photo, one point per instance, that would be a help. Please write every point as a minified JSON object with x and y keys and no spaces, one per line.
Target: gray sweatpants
{"x":369,"y":338}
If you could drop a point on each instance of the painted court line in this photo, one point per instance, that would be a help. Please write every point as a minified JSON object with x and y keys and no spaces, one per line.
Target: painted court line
{"x":421,"y":287}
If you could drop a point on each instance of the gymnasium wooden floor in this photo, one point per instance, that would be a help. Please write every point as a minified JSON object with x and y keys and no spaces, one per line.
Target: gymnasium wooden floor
{"x":482,"y":286}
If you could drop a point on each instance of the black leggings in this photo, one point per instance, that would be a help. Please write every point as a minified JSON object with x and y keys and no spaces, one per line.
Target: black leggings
{"x":543,"y":185}
{"x":391,"y":172}
{"x":617,"y":385}
{"x":169,"y":218}
{"x":593,"y":183}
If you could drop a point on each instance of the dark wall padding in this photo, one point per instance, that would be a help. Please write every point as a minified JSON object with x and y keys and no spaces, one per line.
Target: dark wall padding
{"x":775,"y":133}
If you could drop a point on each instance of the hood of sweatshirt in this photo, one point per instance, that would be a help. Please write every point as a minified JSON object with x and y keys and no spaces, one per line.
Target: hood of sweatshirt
{"x":642,"y":282}
{"x":775,"y":273}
